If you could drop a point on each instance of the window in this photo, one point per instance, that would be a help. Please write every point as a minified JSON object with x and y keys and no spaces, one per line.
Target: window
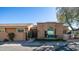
{"x":2,"y":29}
{"x":50,"y":33}
{"x":20,"y":30}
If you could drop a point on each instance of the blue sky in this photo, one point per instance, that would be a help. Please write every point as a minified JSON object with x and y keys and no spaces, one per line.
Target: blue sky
{"x":27,"y":14}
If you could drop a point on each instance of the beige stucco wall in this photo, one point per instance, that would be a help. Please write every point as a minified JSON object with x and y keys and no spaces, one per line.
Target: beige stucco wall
{"x":41,"y":27}
{"x":10,"y":29}
{"x":18,"y":36}
{"x":59,"y":29}
{"x":3,"y":35}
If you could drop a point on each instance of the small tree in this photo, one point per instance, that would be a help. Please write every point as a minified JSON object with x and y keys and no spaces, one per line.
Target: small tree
{"x":11,"y":36}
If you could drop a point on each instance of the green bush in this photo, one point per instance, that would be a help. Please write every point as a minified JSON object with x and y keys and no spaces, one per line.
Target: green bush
{"x":52,"y":39}
{"x":11,"y":36}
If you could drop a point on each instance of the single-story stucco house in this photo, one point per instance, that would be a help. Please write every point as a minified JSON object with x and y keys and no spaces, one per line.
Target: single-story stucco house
{"x":18,"y":29}
{"x":51,"y":29}
{"x":41,"y":30}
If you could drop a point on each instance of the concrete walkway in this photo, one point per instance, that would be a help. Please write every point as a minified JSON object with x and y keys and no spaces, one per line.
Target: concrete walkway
{"x":14,"y":47}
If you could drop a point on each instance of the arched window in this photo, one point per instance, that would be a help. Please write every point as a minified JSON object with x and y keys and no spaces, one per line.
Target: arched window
{"x":50,"y":32}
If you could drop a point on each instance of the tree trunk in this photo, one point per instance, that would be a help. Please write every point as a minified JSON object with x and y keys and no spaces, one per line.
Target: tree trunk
{"x":70,"y":25}
{"x":68,"y":21}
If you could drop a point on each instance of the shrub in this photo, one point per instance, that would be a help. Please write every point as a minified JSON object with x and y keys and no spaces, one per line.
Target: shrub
{"x":52,"y":39}
{"x":11,"y":36}
{"x":5,"y":40}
